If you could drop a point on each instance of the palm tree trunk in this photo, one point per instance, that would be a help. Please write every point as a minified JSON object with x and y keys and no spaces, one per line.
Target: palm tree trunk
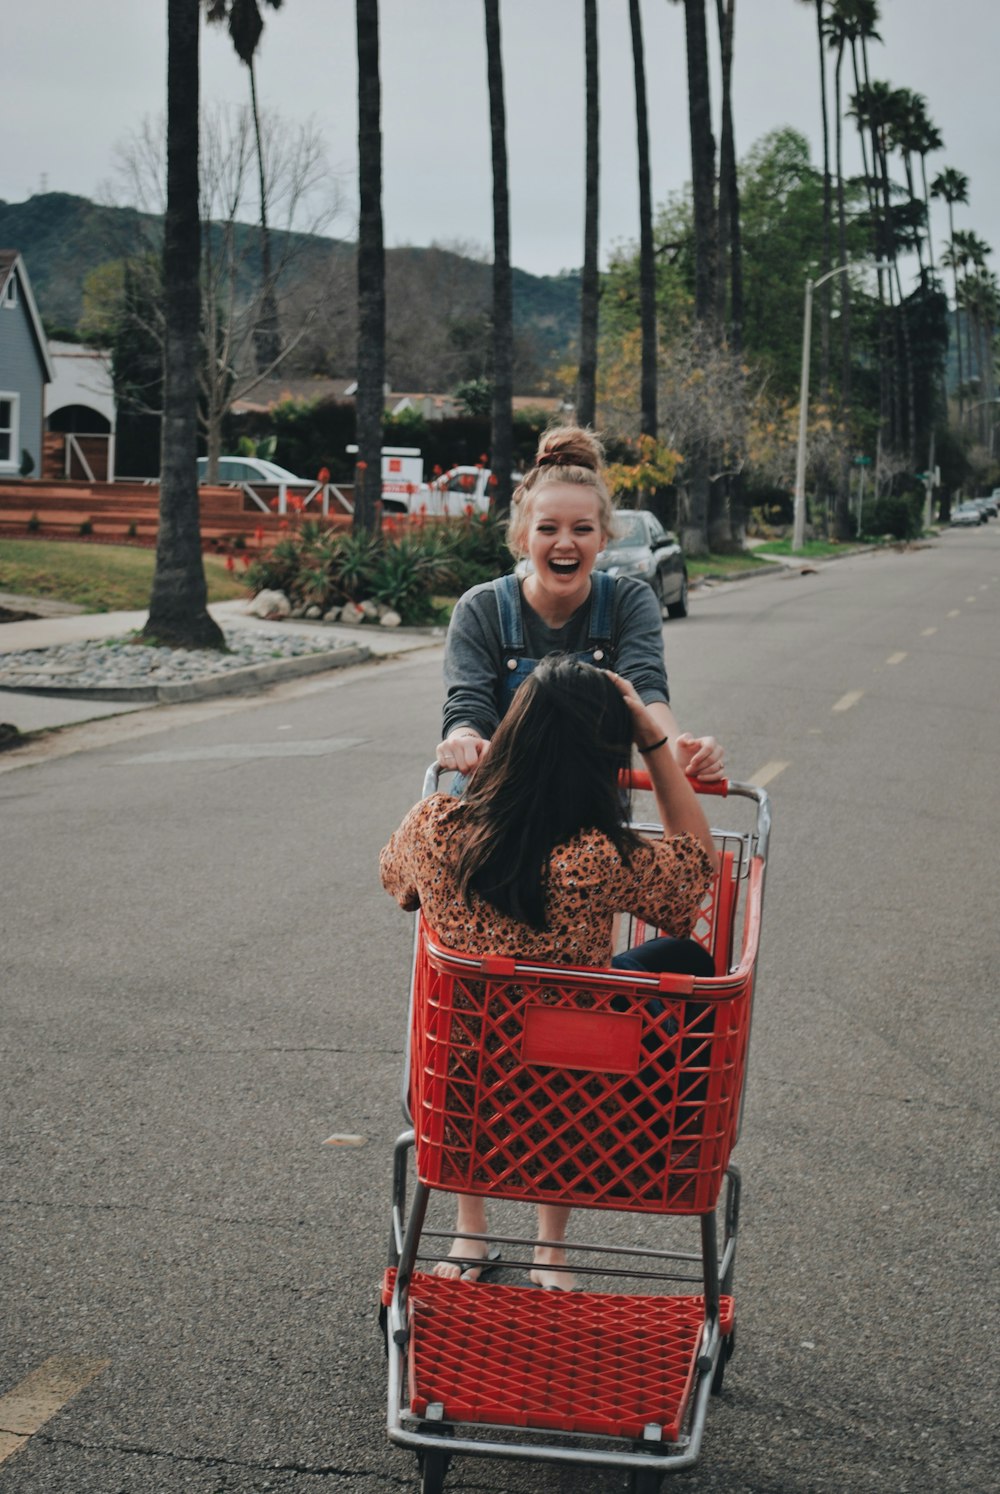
{"x":842,"y":507}
{"x":370,"y":397}
{"x":726,"y":502}
{"x":586,"y":401}
{"x":730,"y":241}
{"x":702,"y":159}
{"x":647,"y":267}
{"x":696,"y":536}
{"x":827,"y":289}
{"x":927,"y":209}
{"x":958,"y":318}
{"x":178,"y":611}
{"x":502,"y":428}
{"x":267,"y":334}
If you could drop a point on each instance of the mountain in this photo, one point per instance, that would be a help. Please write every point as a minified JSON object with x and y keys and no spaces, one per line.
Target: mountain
{"x":438,"y":301}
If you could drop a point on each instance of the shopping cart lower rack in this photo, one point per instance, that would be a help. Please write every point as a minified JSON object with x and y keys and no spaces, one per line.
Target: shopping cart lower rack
{"x":598,"y":1090}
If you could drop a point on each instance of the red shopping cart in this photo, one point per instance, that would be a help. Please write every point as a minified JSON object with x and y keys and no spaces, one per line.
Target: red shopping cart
{"x":603,"y":1090}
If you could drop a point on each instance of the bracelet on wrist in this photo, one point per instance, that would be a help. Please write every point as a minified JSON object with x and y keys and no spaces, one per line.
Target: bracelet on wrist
{"x":653,"y":747}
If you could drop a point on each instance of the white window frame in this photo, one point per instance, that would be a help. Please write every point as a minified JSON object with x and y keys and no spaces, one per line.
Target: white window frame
{"x":10,"y":292}
{"x":13,"y":464}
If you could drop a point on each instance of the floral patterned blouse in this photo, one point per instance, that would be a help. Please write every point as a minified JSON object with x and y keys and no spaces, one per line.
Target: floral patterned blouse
{"x":588,"y":884}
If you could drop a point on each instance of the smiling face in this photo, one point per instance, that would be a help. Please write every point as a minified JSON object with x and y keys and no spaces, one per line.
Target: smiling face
{"x":564,"y":537}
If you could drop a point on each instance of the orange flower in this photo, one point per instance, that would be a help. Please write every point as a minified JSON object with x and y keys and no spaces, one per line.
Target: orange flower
{"x":323,"y":475}
{"x":230,"y":563}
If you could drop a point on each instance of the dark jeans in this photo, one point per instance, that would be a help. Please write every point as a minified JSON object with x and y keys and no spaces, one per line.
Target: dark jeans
{"x":667,"y":956}
{"x":674,"y":957}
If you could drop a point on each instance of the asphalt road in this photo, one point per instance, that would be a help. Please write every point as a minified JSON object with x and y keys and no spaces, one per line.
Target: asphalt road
{"x":202,"y":982}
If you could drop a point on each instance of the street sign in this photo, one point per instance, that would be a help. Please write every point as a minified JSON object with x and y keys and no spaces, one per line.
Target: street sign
{"x":862,"y":461}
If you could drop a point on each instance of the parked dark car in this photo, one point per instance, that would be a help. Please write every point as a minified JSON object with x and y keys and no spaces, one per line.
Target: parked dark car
{"x":644,"y":549}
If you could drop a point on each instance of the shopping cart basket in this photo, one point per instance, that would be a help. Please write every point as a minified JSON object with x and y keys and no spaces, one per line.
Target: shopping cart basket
{"x":600,"y":1090}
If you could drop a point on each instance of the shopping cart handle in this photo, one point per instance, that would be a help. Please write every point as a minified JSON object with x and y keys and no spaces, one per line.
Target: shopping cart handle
{"x":636,"y":778}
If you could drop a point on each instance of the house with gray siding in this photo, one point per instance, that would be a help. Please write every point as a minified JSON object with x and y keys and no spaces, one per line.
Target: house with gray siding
{"x":25,"y":369}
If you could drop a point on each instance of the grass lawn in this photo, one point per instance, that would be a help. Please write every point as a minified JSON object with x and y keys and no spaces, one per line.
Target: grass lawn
{"x":811,"y":550}
{"x":722,"y":565}
{"x":99,"y":578}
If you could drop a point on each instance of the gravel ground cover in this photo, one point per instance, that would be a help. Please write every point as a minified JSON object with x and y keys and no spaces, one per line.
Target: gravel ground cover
{"x":122,"y":662}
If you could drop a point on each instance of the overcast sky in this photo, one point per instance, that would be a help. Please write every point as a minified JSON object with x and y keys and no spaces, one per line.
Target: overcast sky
{"x":77,"y":75}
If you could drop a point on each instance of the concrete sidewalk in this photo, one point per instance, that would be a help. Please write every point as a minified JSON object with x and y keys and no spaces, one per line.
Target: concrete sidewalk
{"x":31,"y":711}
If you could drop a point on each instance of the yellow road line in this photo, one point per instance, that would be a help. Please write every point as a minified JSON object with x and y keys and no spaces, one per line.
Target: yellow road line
{"x":928,"y":632}
{"x":763,"y":775}
{"x":846,"y":701}
{"x":956,"y":612}
{"x":895,"y":658}
{"x":972,"y":599}
{"x":41,"y":1394}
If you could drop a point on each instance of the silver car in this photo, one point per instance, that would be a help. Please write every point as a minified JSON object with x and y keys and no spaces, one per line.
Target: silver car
{"x":967,"y":514}
{"x":641,"y":547}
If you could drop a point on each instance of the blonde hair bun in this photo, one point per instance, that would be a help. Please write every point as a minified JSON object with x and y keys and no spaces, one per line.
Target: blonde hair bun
{"x":570,"y":446}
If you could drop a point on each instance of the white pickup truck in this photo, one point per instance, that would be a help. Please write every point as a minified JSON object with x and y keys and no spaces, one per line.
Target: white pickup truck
{"x":405,"y":492}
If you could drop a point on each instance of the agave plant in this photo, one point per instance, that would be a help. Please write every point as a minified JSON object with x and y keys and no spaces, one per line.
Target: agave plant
{"x":409,"y":570}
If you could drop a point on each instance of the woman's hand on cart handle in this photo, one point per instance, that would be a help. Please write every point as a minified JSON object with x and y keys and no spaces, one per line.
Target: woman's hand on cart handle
{"x":461,"y":750}
{"x":700,"y":757}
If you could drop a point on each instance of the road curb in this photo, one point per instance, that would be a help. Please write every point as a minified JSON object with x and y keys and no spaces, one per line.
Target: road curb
{"x":221,"y":684}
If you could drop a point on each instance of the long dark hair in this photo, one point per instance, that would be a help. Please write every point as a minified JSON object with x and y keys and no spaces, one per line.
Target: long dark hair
{"x":551,"y":771}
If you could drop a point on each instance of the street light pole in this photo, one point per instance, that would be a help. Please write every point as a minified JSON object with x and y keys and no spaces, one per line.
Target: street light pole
{"x":799,"y":512}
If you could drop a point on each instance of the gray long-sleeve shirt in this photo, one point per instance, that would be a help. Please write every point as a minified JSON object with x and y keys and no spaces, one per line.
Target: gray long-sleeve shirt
{"x":474,"y":673}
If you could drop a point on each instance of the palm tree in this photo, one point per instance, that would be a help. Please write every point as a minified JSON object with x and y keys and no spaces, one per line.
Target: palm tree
{"x":586,"y":399}
{"x":370,"y":397}
{"x":928,"y":138}
{"x":502,"y":427}
{"x":695,"y":538}
{"x":827,"y":289}
{"x":647,"y":266}
{"x":702,"y":159}
{"x":245,"y":28}
{"x":837,"y":39}
{"x":730,"y":268}
{"x":951,"y":186}
{"x":178,"y":611}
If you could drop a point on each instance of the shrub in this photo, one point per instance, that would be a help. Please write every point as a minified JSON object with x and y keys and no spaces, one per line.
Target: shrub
{"x":34,"y":524}
{"x":902,"y":516}
{"x":87,"y":527}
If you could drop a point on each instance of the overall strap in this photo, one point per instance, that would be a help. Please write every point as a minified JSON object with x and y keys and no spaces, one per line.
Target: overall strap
{"x":602,"y":608}
{"x":508,"y":595}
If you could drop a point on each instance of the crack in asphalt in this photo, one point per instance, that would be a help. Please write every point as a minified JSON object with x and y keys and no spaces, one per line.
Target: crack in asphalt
{"x":208,"y":1460}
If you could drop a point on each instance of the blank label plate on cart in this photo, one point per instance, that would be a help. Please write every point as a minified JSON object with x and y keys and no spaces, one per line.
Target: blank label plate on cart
{"x":606,"y":1041}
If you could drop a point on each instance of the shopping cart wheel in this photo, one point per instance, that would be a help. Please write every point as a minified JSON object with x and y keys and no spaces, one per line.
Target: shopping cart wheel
{"x":383,"y":1327}
{"x":433,"y":1467}
{"x":725,"y":1354}
{"x":645,"y":1481}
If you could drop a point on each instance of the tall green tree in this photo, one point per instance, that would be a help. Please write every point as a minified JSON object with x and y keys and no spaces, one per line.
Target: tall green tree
{"x":502,"y":424}
{"x":246,"y":26}
{"x":730,"y":268}
{"x":370,"y":397}
{"x":178,"y":610}
{"x":702,"y":159}
{"x":586,"y":397}
{"x":647,"y":263}
{"x":826,"y":261}
{"x":695,"y":533}
{"x":952,"y":187}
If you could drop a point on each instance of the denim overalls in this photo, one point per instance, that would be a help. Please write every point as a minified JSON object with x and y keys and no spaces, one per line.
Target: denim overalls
{"x":516,"y":666}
